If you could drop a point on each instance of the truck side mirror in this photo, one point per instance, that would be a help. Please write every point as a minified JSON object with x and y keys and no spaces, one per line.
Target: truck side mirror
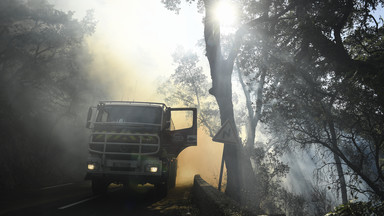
{"x":89,"y":117}
{"x":168,"y":125}
{"x":168,"y":120}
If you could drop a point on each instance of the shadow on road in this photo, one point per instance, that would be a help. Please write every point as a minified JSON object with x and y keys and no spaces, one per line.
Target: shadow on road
{"x":77,"y":199}
{"x":176,"y":203}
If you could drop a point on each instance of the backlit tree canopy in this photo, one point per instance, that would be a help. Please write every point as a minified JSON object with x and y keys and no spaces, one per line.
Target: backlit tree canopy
{"x":321,"y":64}
{"x":43,"y":82}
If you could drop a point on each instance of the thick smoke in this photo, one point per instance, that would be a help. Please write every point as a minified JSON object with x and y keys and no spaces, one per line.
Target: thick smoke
{"x":204,"y":159}
{"x":130,"y":51}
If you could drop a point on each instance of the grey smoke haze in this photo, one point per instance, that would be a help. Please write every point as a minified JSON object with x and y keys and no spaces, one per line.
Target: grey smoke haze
{"x":131,"y":49}
{"x":134,"y":41}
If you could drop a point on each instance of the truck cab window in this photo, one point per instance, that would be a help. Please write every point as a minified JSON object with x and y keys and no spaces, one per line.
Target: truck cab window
{"x":133,"y":114}
{"x":181,"y":119}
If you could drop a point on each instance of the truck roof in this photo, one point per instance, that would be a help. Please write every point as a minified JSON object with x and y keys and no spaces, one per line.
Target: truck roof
{"x":133,"y":103}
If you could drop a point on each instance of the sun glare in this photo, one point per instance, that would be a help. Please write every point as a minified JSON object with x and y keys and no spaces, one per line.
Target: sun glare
{"x":225,"y":13}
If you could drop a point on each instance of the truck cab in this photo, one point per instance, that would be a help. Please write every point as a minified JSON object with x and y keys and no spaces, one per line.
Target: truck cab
{"x":136,"y":143}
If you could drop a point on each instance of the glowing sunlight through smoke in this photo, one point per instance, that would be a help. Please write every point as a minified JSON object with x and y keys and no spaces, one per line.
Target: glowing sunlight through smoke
{"x":226,"y":14}
{"x":132,"y":50}
{"x":203,"y":159}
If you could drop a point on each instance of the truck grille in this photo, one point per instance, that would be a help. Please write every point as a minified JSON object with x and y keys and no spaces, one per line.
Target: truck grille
{"x":124,"y":143}
{"x":121,"y":157}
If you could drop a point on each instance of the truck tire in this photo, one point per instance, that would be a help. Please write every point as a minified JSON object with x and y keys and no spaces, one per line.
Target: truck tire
{"x":172,"y":174}
{"x":162,"y":189}
{"x":99,"y":186}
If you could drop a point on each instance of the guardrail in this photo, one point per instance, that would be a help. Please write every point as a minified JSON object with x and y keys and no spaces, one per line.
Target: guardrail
{"x":212,"y":202}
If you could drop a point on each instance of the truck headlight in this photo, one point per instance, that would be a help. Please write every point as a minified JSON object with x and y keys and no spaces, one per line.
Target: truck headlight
{"x":152,"y":168}
{"x":91,"y":166}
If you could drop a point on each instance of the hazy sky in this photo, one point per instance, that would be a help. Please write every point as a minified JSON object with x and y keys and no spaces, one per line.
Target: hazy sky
{"x":134,"y":41}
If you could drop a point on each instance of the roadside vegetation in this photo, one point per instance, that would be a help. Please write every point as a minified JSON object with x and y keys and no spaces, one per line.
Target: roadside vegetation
{"x":311,"y":75}
{"x":45,"y":91}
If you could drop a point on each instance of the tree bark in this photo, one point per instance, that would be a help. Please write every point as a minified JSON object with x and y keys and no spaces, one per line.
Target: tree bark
{"x":239,"y":168}
{"x":339,"y":168}
{"x":333,"y":141}
{"x":221,"y":71}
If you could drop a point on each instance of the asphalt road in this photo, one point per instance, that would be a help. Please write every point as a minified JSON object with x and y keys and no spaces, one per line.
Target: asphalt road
{"x":77,"y":199}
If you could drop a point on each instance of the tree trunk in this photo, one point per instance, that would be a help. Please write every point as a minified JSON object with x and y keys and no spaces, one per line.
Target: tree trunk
{"x":343,"y":185}
{"x":223,"y":95}
{"x":340,"y":173}
{"x":251,"y":132}
{"x":242,"y":183}
{"x":221,"y":73}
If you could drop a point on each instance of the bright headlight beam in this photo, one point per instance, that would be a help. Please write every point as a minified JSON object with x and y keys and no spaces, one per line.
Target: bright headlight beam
{"x":91,"y":166}
{"x":153,"y":169}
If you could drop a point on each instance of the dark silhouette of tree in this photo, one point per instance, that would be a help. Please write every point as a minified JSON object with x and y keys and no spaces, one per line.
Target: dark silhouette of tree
{"x":316,"y":89}
{"x":43,"y":82}
{"x":238,"y":165}
{"x":323,"y":86}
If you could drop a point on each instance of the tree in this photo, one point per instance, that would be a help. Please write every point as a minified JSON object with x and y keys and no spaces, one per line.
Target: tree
{"x":308,"y":38}
{"x":43,"y":81}
{"x":321,"y":55}
{"x":188,"y":85}
{"x":252,"y":76}
{"x":221,"y":71}
{"x":327,"y":104}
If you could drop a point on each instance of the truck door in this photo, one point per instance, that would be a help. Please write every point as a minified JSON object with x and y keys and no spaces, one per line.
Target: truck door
{"x":91,"y":117}
{"x":184,"y":135}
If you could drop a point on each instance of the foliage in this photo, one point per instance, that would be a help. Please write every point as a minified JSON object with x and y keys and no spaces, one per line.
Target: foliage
{"x":188,"y":85}
{"x":269,"y":171}
{"x":358,"y":208}
{"x":44,"y":84}
{"x":313,"y":100}
{"x":42,"y":51}
{"x":324,"y":71}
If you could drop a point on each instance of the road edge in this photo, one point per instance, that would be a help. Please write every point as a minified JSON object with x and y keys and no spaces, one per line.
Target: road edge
{"x":212,"y":202}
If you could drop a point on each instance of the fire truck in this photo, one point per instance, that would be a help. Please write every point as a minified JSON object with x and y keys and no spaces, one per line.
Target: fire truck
{"x":137,"y":143}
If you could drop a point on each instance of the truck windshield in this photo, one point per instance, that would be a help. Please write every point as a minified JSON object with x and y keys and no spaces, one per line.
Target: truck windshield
{"x":130,"y":114}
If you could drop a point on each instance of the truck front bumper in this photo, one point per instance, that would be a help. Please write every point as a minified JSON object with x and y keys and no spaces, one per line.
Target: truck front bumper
{"x":123,"y":177}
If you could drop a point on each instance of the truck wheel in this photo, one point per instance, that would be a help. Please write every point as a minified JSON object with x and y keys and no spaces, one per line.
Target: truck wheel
{"x":172,"y":175}
{"x":99,"y":186}
{"x":161,"y":189}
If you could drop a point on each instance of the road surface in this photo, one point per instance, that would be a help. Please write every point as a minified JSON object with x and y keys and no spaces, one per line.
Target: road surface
{"x":77,"y":199}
